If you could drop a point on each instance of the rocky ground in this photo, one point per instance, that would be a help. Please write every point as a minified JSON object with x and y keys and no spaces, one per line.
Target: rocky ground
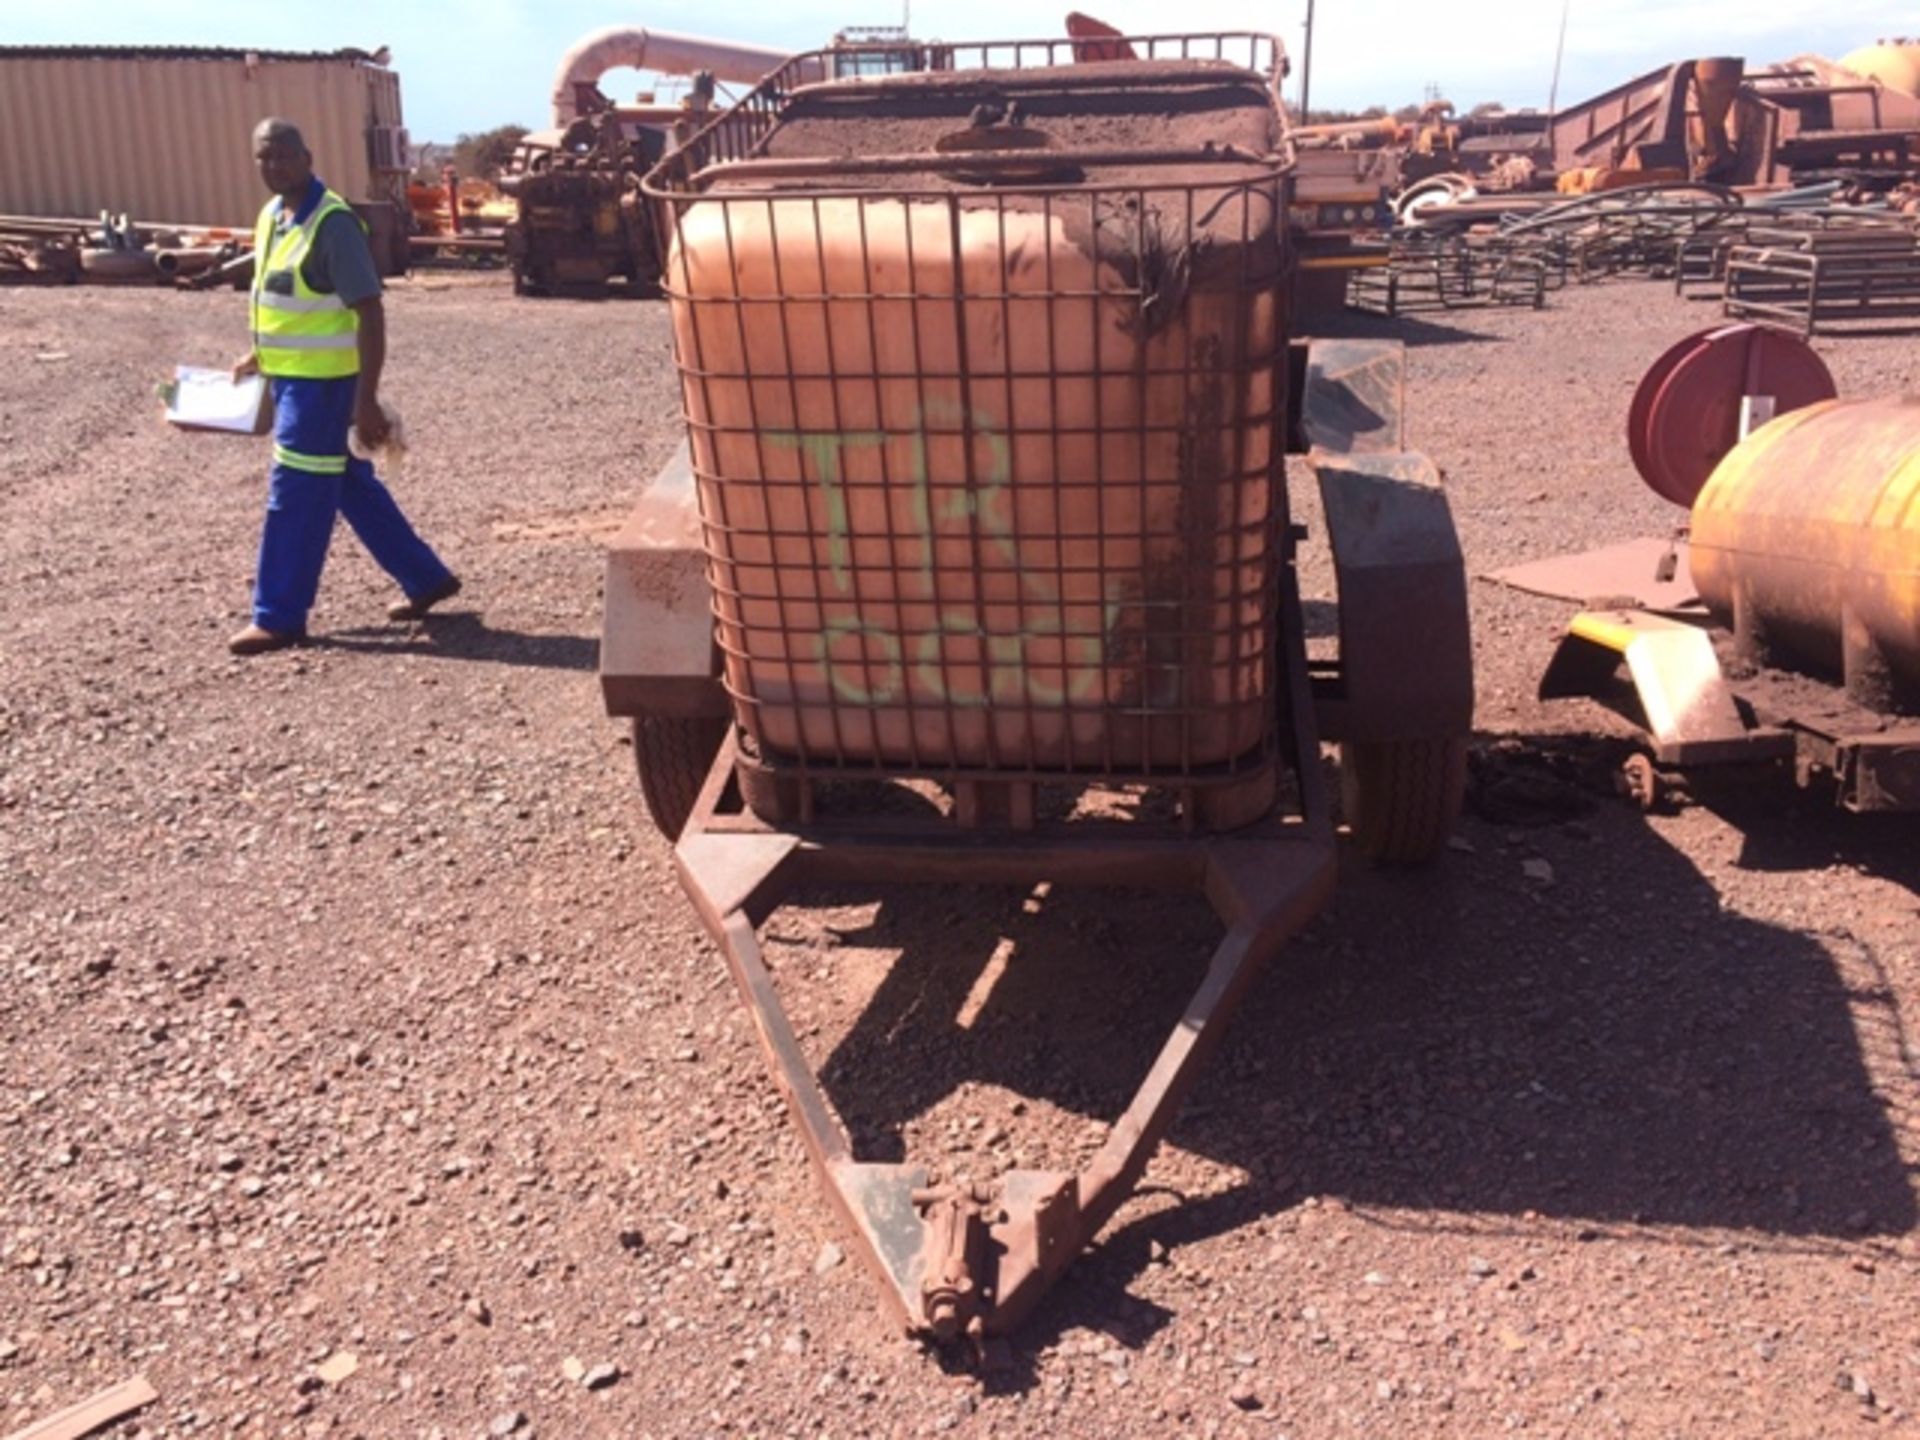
{"x":363,"y":1070}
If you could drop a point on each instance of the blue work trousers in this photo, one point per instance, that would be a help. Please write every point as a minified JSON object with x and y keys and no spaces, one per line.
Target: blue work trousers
{"x":314,"y":479}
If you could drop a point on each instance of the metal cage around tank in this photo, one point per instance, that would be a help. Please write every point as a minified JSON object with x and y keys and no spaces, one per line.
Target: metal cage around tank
{"x":976,"y":503}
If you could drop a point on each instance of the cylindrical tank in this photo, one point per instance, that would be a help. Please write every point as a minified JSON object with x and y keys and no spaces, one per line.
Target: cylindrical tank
{"x":988,"y":471}
{"x":1894,"y":63}
{"x":1807,"y":542}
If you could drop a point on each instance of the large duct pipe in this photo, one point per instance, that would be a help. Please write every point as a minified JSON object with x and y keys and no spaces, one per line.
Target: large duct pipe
{"x":662,"y":50}
{"x":1382,"y":131}
{"x":1717,"y":84}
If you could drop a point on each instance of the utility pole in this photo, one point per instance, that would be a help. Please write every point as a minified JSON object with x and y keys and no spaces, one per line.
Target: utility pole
{"x":1559,"y":54}
{"x":1306,"y":66}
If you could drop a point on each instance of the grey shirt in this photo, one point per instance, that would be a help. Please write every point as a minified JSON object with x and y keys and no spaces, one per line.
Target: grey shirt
{"x":339,"y":262}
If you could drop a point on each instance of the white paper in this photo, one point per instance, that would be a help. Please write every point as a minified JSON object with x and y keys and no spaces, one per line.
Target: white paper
{"x":203,"y":399}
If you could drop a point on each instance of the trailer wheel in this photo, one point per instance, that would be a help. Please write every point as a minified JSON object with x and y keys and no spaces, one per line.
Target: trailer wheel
{"x":1402,"y":797}
{"x":673,"y":754}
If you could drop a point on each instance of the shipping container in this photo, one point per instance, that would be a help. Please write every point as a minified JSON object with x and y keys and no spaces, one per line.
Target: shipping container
{"x":162,"y":134}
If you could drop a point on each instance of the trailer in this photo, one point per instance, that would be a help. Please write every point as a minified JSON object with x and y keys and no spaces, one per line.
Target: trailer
{"x":989,"y":388}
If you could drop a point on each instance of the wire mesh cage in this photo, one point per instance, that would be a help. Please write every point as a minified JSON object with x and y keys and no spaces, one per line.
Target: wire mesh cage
{"x":984,"y":373}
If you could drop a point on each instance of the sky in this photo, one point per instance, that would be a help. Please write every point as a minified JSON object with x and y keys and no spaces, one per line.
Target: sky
{"x":473,"y":65}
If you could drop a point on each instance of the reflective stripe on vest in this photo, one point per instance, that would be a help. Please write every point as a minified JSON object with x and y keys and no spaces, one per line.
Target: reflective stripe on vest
{"x":312,"y":464}
{"x":299,"y":333}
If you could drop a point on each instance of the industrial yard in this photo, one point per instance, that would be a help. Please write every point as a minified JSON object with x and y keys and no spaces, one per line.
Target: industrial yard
{"x":1064,"y":749}
{"x":368,"y":1073}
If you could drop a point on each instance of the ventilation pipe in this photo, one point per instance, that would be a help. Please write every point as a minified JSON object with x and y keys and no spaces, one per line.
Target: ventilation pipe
{"x":662,"y":50}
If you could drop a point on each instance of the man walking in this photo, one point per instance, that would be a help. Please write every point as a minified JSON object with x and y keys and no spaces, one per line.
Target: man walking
{"x":320,"y":338}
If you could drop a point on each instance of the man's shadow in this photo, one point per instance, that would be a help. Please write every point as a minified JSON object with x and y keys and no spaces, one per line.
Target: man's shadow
{"x":463,"y":635}
{"x":1611,"y":1047}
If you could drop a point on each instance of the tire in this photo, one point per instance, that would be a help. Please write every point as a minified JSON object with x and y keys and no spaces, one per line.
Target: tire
{"x":1402,"y":797}
{"x":674,"y":755}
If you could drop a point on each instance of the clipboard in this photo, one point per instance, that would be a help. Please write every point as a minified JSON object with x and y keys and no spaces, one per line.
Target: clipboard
{"x":202,"y":399}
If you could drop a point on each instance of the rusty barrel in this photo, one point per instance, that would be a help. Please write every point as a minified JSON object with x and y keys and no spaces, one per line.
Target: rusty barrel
{"x":1806,"y":541}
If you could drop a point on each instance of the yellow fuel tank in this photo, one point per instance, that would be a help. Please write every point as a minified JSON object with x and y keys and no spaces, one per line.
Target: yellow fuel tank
{"x":1807,"y":542}
{"x":1894,"y":63}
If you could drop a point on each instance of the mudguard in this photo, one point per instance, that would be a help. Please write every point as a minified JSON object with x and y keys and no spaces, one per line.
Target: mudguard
{"x":1405,"y":669}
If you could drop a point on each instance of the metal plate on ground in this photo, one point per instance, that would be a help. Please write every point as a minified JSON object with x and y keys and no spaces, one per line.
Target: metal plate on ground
{"x":1626,"y":575}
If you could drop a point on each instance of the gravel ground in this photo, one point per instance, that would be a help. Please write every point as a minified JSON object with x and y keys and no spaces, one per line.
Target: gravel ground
{"x":366,"y":1074}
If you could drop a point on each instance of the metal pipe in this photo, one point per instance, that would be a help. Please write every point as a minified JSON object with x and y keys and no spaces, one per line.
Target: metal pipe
{"x":662,"y":50}
{"x":1306,"y":64}
{"x":1386,"y":129}
{"x":188,"y":259}
{"x":1019,"y":163}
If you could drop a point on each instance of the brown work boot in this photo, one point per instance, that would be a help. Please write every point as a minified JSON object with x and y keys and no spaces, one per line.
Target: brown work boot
{"x":256,"y":640}
{"x":414,"y":607}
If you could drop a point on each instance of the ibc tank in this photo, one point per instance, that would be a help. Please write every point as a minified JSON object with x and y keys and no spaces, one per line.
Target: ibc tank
{"x":1807,"y":542}
{"x":983,"y":378}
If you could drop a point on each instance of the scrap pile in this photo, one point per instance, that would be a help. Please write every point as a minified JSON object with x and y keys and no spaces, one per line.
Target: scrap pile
{"x":1790,"y":192}
{"x":115,"y":250}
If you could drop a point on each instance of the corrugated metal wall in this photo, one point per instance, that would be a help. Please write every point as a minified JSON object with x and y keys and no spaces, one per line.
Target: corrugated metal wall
{"x":167,"y":139}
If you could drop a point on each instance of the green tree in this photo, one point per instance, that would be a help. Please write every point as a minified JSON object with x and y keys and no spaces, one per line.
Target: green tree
{"x":485,"y":155}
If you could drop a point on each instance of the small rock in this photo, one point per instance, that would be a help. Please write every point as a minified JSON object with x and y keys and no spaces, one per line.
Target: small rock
{"x":505,"y":1423}
{"x":1156,"y":1252}
{"x":632,"y":1241}
{"x":573,"y":1368}
{"x":829,"y":1258}
{"x":1537,"y":870}
{"x":1462,"y":845}
{"x":337,"y":1366}
{"x":679,"y":1235}
{"x":1244,"y":1397}
{"x":1245,"y":1359}
{"x":477,"y":1310}
{"x":1386,"y":1390}
{"x":1862,"y":1388}
{"x":1478,"y":1268}
{"x":600,"y":1376}
{"x":1375,"y":1277}
{"x":7,"y":1351}
{"x":253,"y":1187}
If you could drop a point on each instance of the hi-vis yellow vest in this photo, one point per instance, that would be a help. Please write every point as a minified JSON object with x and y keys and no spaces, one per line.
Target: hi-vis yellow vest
{"x":298,"y":332}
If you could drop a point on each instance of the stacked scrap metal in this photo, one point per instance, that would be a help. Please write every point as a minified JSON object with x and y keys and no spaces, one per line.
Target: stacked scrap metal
{"x":115,"y":250}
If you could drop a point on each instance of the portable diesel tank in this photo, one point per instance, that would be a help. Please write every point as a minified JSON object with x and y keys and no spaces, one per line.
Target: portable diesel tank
{"x":976,"y":566}
{"x":984,"y":377}
{"x":1806,"y":542}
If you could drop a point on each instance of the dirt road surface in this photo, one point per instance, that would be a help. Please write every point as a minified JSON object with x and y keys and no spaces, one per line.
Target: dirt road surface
{"x":348,"y":1007}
